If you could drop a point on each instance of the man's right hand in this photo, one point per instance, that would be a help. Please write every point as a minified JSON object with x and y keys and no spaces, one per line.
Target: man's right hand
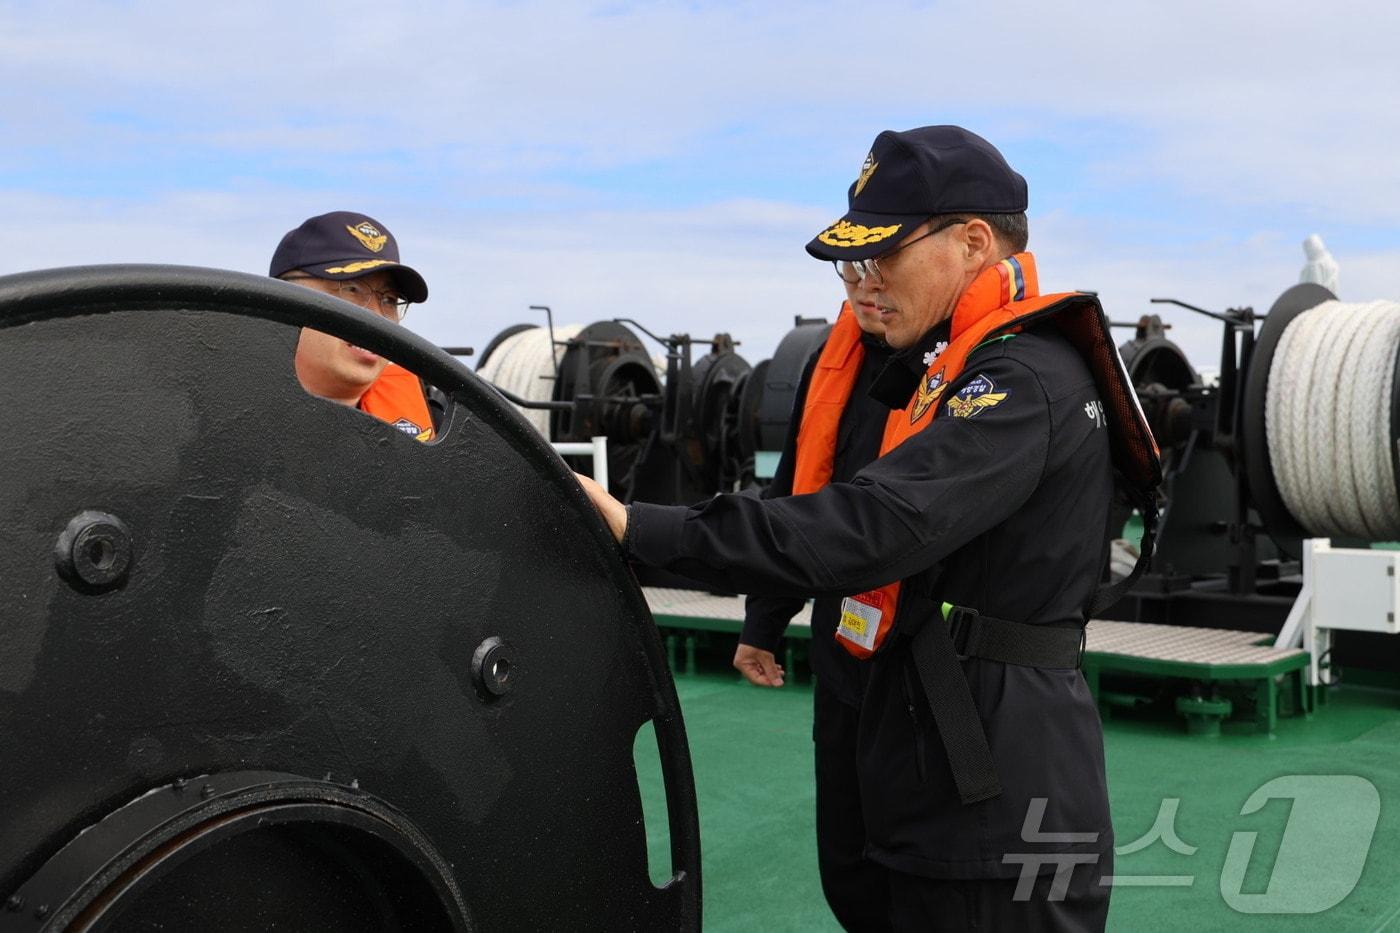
{"x":759,"y":667}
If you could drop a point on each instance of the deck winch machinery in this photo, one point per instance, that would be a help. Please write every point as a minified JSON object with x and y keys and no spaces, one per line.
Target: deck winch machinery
{"x":1295,"y":438}
{"x":679,"y":429}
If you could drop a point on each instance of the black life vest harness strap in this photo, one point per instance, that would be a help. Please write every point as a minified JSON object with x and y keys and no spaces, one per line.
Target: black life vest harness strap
{"x":977,"y":636}
{"x":938,"y":652}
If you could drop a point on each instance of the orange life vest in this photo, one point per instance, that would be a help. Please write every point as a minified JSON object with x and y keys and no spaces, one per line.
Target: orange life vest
{"x":1000,"y":301}
{"x":828,"y":391}
{"x":397,"y":397}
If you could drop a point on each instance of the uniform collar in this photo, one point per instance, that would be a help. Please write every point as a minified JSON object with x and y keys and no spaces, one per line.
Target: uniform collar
{"x":896,"y":383}
{"x":870,"y":341}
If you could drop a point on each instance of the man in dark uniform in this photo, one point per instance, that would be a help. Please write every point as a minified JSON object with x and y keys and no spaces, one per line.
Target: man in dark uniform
{"x":979,"y":534}
{"x":851,"y":357}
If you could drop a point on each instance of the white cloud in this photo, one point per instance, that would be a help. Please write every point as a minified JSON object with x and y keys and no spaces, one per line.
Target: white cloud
{"x":473,"y":130}
{"x":1240,"y":104}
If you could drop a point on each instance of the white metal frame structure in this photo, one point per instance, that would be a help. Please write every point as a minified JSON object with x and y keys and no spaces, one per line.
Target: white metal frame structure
{"x":1348,"y":589}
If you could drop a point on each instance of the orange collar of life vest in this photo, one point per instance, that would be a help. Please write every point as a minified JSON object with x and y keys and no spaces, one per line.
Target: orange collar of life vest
{"x":396,"y":397}
{"x":828,"y":391}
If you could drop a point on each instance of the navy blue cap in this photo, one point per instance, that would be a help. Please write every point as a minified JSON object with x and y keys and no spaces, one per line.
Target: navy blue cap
{"x":345,"y":245}
{"x":909,"y":177}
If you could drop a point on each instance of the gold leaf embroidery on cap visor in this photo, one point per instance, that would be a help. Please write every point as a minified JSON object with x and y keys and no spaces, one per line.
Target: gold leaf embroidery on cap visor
{"x":845,"y":233}
{"x":369,"y":235}
{"x":360,"y":266}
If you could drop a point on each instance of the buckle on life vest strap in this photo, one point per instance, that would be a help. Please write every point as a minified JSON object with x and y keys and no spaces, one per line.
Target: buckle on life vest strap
{"x":974,"y":635}
{"x":961,"y":621}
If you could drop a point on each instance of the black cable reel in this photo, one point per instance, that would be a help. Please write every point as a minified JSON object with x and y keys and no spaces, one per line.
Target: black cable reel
{"x":267,"y":662}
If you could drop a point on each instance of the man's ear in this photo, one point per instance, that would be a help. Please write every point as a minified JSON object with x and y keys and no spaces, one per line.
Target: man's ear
{"x":979,"y":241}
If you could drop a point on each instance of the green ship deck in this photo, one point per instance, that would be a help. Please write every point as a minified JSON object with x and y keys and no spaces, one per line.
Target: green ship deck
{"x":1212,"y":659}
{"x":752,"y":756}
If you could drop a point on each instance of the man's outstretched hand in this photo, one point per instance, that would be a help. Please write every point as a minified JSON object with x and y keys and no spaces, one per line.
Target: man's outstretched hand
{"x":759,"y":667}
{"x":614,"y":513}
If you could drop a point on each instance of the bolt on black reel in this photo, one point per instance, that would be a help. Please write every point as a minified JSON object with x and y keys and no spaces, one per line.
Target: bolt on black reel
{"x":267,"y":662}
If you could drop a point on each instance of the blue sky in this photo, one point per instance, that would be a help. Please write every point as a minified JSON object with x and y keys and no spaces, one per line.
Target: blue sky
{"x":667,"y":161}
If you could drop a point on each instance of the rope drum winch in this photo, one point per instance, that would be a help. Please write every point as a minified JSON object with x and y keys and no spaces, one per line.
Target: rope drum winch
{"x":1293,"y":440}
{"x":1329,"y":415}
{"x":673,"y":437}
{"x":524,"y":364}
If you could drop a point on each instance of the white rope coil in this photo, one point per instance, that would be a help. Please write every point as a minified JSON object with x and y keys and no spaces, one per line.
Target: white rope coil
{"x":1327,"y":419}
{"x":522,"y":365}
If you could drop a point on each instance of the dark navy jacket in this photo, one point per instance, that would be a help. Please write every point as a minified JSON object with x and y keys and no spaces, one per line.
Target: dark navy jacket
{"x":1004,"y":512}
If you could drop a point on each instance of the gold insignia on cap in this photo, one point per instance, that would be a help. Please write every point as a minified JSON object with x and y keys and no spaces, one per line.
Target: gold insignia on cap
{"x":846,"y":234}
{"x":866,"y":170}
{"x":360,"y":266}
{"x":368,"y":234}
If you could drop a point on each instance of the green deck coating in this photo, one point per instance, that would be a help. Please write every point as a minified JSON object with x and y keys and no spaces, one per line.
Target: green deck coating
{"x":752,"y":753}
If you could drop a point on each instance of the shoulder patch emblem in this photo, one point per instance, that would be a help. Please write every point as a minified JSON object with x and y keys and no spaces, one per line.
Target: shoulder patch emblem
{"x":976,"y":397}
{"x":866,"y":170}
{"x":368,"y":235}
{"x":930,"y":389}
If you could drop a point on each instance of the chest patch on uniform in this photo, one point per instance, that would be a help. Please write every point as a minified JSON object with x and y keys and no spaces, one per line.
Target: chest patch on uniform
{"x":408,"y":427}
{"x":930,"y":388}
{"x":976,"y":397}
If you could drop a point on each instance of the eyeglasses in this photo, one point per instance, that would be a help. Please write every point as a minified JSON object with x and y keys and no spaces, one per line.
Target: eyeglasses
{"x":387,"y":304}
{"x":852,"y":271}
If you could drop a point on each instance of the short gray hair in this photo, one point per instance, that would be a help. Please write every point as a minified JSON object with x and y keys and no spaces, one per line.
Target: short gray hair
{"x":1012,"y":230}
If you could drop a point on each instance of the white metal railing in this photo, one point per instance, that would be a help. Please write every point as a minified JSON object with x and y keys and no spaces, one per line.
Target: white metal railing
{"x":597,"y":448}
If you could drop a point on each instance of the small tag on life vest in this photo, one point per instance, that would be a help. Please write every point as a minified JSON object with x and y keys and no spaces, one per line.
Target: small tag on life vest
{"x":860,"y":619}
